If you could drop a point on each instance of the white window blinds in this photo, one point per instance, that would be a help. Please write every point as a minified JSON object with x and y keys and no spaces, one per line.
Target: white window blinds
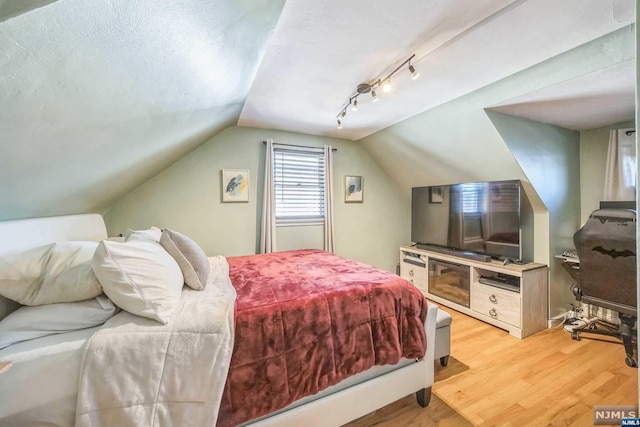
{"x":299,"y":184}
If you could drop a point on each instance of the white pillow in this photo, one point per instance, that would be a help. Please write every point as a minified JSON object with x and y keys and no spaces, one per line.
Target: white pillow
{"x":140,"y":277}
{"x":57,"y":272}
{"x":152,"y":233}
{"x":27,"y":323}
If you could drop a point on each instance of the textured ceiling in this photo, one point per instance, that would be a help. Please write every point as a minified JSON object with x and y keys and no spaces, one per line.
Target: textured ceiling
{"x":321,"y":51}
{"x":591,"y":101}
{"x":99,"y":96}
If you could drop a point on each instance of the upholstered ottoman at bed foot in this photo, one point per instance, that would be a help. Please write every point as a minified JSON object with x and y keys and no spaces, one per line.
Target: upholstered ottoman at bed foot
{"x":443,"y":337}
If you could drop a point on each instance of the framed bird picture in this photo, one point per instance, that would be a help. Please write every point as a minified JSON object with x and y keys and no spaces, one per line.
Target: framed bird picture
{"x":235,"y":185}
{"x":353,"y":189}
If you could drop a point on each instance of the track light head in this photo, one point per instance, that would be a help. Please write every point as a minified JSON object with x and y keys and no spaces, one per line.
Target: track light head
{"x":380,"y":82}
{"x":414,"y":74}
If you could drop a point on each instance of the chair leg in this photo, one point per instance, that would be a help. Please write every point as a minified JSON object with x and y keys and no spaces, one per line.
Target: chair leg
{"x":626,"y":334}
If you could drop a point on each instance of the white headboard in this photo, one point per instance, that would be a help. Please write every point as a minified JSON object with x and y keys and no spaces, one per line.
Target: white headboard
{"x":22,"y":234}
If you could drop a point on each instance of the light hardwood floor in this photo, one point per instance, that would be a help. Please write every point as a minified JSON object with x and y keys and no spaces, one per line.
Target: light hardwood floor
{"x":494,"y":379}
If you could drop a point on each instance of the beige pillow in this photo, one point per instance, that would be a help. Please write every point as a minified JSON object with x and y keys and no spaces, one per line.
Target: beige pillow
{"x":57,"y":272}
{"x":139,"y":277}
{"x":190,"y":257}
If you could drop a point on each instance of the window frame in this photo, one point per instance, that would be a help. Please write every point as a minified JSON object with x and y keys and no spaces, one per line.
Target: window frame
{"x":302,"y":220}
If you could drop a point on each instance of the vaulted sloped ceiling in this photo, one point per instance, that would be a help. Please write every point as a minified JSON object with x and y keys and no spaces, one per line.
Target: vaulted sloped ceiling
{"x":99,"y":96}
{"x":597,"y":99}
{"x":11,"y":8}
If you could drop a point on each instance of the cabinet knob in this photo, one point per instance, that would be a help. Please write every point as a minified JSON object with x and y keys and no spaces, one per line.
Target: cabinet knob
{"x":493,"y":299}
{"x":493,"y":313}
{"x":411,"y":273}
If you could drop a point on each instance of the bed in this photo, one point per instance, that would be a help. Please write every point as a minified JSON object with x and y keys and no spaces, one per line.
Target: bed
{"x":66,"y":357}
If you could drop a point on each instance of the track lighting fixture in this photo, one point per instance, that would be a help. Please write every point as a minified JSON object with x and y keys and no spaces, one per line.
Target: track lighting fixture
{"x":414,"y":73}
{"x":384,"y":83}
{"x":341,"y":116}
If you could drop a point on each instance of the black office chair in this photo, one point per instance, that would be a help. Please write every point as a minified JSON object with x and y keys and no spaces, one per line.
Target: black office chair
{"x":606,"y":247}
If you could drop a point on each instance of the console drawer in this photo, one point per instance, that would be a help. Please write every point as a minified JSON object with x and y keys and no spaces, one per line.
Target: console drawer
{"x":496,"y":303}
{"x":415,"y":274}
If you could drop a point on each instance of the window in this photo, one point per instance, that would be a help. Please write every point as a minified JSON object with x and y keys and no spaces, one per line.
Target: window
{"x":299,"y":184}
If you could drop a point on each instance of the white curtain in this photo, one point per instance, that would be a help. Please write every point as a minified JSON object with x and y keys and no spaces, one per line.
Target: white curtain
{"x":621,"y":172}
{"x":329,"y":233}
{"x":268,"y":230}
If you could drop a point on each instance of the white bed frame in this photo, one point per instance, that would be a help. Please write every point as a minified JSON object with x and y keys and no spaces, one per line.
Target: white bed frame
{"x":332,"y":410}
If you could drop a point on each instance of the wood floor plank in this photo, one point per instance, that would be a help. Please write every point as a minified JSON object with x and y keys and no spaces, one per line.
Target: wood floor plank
{"x":494,"y":379}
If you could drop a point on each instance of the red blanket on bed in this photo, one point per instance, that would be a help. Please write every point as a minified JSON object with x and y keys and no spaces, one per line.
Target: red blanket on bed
{"x":307,"y":319}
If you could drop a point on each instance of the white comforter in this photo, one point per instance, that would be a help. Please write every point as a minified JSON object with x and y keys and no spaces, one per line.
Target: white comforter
{"x":41,"y":387}
{"x":137,"y":372}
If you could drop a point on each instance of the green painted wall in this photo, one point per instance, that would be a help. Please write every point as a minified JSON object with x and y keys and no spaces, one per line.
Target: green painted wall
{"x":550,"y":157}
{"x":186,"y":197}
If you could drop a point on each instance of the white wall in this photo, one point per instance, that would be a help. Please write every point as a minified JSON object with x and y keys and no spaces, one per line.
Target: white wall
{"x":186,"y":197}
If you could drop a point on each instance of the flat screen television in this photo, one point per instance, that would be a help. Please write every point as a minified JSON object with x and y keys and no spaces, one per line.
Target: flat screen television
{"x":476,"y":217}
